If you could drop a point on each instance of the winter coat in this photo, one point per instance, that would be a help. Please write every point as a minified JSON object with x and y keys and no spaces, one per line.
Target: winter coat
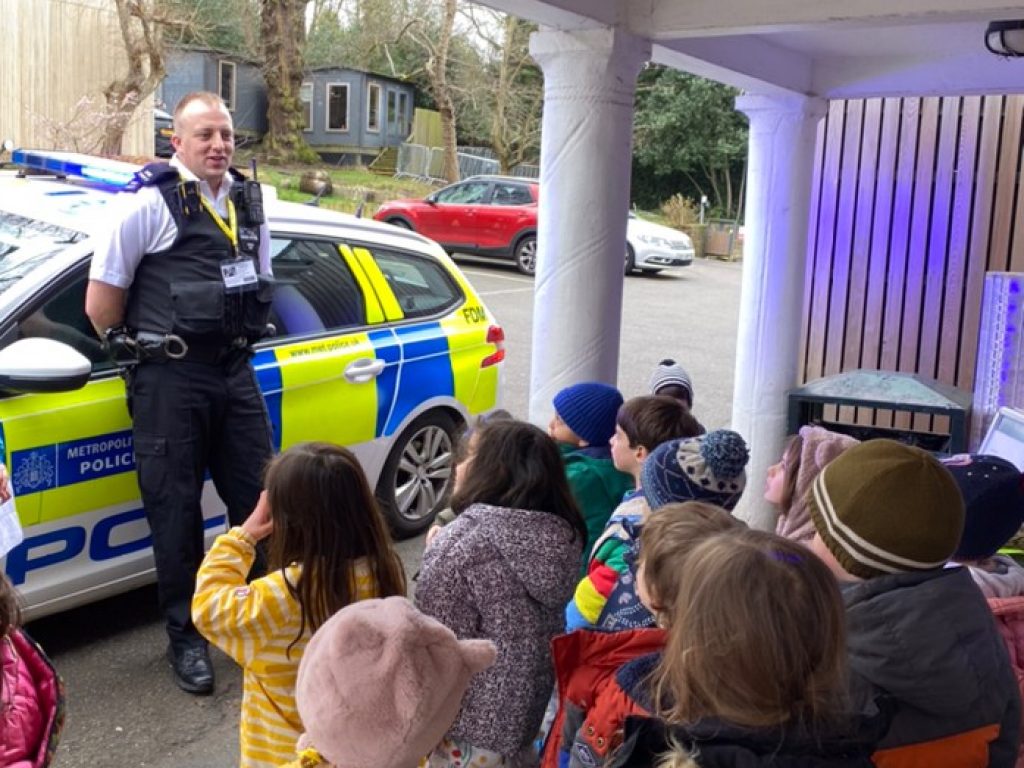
{"x":1009,"y":614}
{"x":716,"y":744}
{"x":503,"y":575}
{"x":607,"y":562}
{"x":590,"y":693}
{"x":927,"y":640}
{"x":31,"y":704}
{"x":596,"y":485}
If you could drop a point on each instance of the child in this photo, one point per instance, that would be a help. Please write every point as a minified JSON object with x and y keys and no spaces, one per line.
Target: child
{"x":503,"y":571}
{"x":786,"y":486}
{"x":379,"y":684}
{"x":328,"y":547}
{"x":31,"y":691}
{"x":597,"y":672}
{"x":446,"y":515}
{"x":707,"y":468}
{"x":671,"y":380}
{"x":754,"y":670}
{"x":887,"y":517}
{"x":993,"y":513}
{"x":582,"y":425}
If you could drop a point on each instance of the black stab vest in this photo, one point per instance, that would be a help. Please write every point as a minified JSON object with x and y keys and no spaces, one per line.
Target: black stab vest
{"x":181,"y":290}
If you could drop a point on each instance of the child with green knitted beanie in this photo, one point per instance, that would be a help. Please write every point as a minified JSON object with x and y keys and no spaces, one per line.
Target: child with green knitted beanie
{"x":921,"y":640}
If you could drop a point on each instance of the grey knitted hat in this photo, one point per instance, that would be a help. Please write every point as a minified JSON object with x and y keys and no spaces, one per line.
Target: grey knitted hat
{"x":669,"y":373}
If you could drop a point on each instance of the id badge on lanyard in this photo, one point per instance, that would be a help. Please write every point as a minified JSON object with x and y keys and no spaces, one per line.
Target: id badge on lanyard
{"x":238,"y":273}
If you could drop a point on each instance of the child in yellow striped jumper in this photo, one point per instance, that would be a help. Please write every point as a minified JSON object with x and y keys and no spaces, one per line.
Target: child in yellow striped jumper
{"x":328,"y":546}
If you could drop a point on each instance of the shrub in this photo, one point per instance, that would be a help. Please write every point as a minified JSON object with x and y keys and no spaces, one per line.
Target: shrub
{"x":680,"y":211}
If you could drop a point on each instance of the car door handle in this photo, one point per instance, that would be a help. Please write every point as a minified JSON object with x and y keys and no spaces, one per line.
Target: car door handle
{"x":363,"y":370}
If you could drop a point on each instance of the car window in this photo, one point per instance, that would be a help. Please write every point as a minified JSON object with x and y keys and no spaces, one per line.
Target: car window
{"x":25,"y":243}
{"x":61,"y":316}
{"x":470,"y":193}
{"x":422,"y":286}
{"x":315,"y":289}
{"x":511,"y":194}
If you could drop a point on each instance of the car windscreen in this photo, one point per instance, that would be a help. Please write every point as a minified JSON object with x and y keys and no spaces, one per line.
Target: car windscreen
{"x":25,"y":243}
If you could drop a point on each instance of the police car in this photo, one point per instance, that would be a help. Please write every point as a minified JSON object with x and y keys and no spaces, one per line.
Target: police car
{"x":381,"y":345}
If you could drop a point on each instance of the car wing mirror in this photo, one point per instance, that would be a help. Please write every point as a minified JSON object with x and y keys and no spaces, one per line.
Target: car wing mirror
{"x":42,"y":365}
{"x":431,"y":199}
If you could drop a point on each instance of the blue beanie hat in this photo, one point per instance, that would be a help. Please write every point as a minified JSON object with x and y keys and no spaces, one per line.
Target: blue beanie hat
{"x":993,"y":503}
{"x":589,"y":410}
{"x":706,"y":468}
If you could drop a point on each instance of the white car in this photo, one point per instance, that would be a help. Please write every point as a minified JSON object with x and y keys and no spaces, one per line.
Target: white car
{"x":652,"y":247}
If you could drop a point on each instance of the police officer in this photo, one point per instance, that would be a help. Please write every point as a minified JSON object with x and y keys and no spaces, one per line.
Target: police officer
{"x":180,"y":288}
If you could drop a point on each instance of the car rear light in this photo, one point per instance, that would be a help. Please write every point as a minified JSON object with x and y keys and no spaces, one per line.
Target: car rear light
{"x":495,"y":336}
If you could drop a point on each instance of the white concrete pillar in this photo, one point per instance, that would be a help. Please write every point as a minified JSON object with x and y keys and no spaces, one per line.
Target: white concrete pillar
{"x":780,"y":170}
{"x":585,"y":160}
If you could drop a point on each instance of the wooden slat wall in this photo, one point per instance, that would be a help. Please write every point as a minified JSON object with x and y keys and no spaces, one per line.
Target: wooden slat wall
{"x":54,"y":53}
{"x":914,"y":199}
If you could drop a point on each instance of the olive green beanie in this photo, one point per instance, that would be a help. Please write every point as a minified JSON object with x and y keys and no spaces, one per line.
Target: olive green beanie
{"x":884,"y":507}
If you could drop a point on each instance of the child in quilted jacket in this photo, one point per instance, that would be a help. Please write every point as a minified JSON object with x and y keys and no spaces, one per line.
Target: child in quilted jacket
{"x":805,"y":455}
{"x":600,"y":675}
{"x":993,"y":512}
{"x":641,"y":425}
{"x":328,"y":547}
{"x":31,"y":691}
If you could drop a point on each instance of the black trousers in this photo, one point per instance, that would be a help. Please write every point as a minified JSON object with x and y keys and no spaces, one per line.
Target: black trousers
{"x":191,"y":417}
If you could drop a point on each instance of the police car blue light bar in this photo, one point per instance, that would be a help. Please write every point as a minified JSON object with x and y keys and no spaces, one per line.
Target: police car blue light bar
{"x":112,"y":172}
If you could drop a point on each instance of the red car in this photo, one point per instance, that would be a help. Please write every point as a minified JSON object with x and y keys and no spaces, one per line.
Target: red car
{"x":482,"y":215}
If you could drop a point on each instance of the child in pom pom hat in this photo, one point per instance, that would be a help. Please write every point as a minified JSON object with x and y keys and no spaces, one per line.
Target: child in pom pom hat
{"x":379,"y":685}
{"x":582,"y":425}
{"x":708,"y":468}
{"x":887,"y":518}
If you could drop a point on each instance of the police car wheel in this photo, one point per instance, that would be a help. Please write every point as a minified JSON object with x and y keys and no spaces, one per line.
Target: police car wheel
{"x":417,"y":475}
{"x":526,"y":255}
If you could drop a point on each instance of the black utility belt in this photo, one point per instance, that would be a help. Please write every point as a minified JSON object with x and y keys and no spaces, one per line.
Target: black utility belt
{"x":163,"y":347}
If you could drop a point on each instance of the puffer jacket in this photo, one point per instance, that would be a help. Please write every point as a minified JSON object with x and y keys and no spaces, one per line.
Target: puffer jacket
{"x":596,"y":485}
{"x":928,"y":642}
{"x":1009,"y":613}
{"x":31,"y":704}
{"x":587,"y":664}
{"x":503,"y":575}
{"x":717,"y":744}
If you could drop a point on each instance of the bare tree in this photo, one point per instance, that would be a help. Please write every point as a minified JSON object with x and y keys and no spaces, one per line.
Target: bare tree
{"x":282,"y":34}
{"x":141,"y":23}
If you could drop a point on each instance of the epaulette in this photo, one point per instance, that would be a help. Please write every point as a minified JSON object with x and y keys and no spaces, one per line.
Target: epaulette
{"x":152,"y":174}
{"x":236,"y":174}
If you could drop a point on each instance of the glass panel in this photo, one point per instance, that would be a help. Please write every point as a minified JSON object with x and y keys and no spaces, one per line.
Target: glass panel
{"x":422,"y":286}
{"x":337,"y":107}
{"x":62,"y":317}
{"x":472,"y":193}
{"x":227,"y":84}
{"x":306,"y":99}
{"x":315,"y":289}
{"x":373,"y":108}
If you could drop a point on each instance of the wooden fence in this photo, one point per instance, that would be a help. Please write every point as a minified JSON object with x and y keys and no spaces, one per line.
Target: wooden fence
{"x":914,"y":200}
{"x":54,"y":54}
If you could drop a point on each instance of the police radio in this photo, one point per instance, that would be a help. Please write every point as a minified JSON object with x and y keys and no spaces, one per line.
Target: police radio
{"x":250,"y":199}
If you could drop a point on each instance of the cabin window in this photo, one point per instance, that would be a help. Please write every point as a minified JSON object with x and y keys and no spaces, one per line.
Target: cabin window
{"x":337,"y":107}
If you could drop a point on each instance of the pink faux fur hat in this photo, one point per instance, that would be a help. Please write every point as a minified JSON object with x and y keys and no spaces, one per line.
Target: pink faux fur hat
{"x":380,"y":683}
{"x":819,"y":446}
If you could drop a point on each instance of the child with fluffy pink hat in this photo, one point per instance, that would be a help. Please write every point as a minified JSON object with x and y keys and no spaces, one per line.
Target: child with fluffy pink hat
{"x":380,"y":684}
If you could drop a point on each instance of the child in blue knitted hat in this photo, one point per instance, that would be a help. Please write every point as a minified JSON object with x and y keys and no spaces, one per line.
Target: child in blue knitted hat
{"x":582,"y":425}
{"x":708,"y":468}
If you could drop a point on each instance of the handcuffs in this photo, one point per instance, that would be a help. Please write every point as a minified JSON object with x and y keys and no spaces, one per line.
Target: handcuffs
{"x":126,"y":348}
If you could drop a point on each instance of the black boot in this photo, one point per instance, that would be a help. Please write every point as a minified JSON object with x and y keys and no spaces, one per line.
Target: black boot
{"x":193,"y":671}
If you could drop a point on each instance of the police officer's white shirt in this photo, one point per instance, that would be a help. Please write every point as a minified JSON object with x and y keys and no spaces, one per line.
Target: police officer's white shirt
{"x":142,"y":223}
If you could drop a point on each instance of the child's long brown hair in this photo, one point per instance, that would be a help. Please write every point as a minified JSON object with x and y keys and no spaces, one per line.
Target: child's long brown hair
{"x":516,"y":465}
{"x":666,"y":541}
{"x":757,"y":638}
{"x":791,"y":468}
{"x":325,"y":518}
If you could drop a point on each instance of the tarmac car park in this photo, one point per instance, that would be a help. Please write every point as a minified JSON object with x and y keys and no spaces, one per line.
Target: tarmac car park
{"x":381,"y":345}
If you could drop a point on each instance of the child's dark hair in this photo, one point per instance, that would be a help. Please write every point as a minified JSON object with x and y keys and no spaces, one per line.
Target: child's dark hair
{"x":650,"y":420}
{"x":10,"y":611}
{"x":462,"y":444}
{"x":516,"y":465}
{"x":676,"y":392}
{"x":325,"y":518}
